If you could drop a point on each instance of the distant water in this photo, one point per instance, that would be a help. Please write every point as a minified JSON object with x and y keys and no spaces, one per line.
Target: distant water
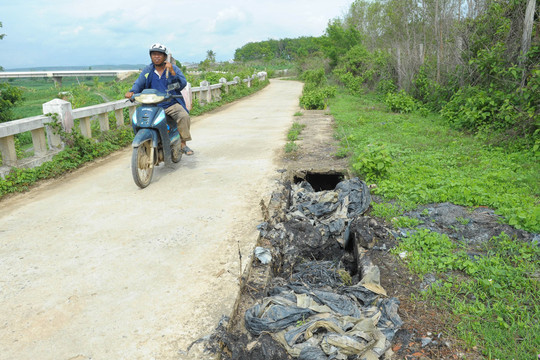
{"x":91,"y":67}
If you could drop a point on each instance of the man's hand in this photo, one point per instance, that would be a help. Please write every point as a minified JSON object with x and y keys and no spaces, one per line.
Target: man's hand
{"x":128,"y":95}
{"x":169,"y":67}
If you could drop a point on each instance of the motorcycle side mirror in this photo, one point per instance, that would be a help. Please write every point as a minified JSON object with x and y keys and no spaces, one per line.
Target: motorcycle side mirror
{"x":173,"y":86}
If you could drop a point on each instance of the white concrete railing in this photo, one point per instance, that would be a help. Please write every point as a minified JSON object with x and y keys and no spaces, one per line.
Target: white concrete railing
{"x":47,"y":143}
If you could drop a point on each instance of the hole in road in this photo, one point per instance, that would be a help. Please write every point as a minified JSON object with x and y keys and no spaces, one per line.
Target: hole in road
{"x":320,"y":181}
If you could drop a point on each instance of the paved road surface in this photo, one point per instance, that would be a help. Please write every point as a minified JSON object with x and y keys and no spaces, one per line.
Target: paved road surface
{"x":91,"y":267}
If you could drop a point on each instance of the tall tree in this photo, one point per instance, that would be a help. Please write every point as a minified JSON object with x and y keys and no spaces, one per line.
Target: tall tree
{"x":211,"y":56}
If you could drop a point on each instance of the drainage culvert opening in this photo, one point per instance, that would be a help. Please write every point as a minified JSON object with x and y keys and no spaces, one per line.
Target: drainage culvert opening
{"x":320,"y":181}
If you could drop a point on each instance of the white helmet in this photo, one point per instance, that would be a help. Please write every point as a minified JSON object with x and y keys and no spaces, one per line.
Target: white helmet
{"x":158,"y":48}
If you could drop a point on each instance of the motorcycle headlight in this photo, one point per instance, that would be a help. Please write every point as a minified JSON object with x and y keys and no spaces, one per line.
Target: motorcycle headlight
{"x":149,"y":98}
{"x":134,"y":118}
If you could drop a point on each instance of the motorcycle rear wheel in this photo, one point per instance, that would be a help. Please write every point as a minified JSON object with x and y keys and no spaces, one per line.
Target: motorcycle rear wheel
{"x":142,"y":167}
{"x":176,"y":153}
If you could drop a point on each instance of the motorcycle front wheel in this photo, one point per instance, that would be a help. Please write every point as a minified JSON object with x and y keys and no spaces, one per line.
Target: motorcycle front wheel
{"x":142,"y":166}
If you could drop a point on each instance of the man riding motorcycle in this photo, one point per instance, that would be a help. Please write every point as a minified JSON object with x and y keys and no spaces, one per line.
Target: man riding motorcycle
{"x":159,"y":75}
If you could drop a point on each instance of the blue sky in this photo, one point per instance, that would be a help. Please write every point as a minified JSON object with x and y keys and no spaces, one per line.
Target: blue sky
{"x":103,"y":32}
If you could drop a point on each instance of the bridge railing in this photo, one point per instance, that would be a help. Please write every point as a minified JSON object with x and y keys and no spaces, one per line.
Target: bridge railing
{"x":46,"y":142}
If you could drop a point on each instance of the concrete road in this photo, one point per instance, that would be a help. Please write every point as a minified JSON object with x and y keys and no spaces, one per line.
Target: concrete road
{"x":92,"y":267}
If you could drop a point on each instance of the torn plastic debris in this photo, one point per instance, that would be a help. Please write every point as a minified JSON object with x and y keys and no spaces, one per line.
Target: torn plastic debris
{"x":315,"y":315}
{"x":330,"y":211}
{"x":263,"y":255}
{"x":350,"y":320}
{"x":316,"y":223}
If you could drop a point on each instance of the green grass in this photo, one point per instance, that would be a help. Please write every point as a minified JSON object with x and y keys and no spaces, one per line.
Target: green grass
{"x":37,"y":91}
{"x":292,"y":136}
{"x":425,"y":161}
{"x":495,"y":296}
{"x":416,"y":159}
{"x":295,"y":131}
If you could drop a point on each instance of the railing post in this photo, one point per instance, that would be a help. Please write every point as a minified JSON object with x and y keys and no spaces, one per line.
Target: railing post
{"x":206,"y":93}
{"x":119,"y":115}
{"x":65,"y":116}
{"x":39,"y":142}
{"x":187,"y":94}
{"x":224,"y":85}
{"x":7,"y":148}
{"x":85,"y":126}
{"x":104,"y":121}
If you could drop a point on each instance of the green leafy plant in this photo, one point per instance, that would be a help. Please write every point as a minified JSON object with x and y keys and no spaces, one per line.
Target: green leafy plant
{"x":9,"y":97}
{"x":316,"y":92}
{"x":295,"y":131}
{"x":292,"y":136}
{"x":405,"y":222}
{"x":290,"y":147}
{"x":401,"y":102}
{"x":317,"y":99}
{"x":385,"y":210}
{"x":345,"y":277}
{"x":373,"y":161}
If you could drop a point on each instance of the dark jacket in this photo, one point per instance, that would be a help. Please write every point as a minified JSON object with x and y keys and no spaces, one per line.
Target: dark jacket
{"x":145,"y":79}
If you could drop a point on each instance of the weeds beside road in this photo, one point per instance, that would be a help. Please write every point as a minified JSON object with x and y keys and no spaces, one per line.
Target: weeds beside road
{"x":416,"y":159}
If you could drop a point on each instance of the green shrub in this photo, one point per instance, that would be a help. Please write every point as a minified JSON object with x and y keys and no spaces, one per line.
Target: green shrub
{"x":9,"y":96}
{"x":360,"y":68}
{"x":385,"y":86}
{"x":401,"y":102}
{"x":317,"y":99}
{"x":373,"y":162}
{"x":314,"y":78}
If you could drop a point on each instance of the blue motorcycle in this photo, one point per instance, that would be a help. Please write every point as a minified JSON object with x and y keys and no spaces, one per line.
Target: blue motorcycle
{"x":156,"y":139}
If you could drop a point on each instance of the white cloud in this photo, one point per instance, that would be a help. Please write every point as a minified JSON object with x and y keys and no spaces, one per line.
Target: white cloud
{"x":93,"y":32}
{"x":228,"y":21}
{"x":72,"y":32}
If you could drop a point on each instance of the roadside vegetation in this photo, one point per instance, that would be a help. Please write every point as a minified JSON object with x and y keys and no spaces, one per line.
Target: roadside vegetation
{"x":293,"y":135}
{"x":438,"y":102}
{"x":416,"y":159}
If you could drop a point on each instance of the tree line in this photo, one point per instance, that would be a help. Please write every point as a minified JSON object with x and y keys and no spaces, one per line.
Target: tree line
{"x":477,"y":61}
{"x":285,"y":49}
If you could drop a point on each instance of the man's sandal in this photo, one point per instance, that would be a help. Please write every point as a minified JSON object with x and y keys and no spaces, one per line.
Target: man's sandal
{"x":186,"y":150}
